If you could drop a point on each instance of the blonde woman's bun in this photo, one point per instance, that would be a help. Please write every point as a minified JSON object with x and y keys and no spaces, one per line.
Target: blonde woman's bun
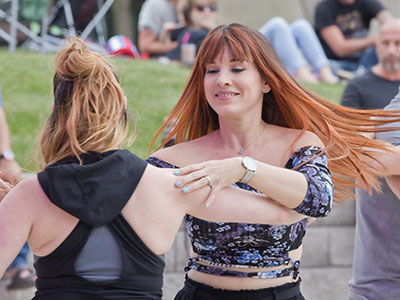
{"x":77,"y":60}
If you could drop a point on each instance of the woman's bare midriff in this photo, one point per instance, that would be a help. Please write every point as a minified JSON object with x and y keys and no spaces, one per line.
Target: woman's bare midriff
{"x":243,"y":283}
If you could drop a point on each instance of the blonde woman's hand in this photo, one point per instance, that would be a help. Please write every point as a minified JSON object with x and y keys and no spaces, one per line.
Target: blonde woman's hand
{"x":5,"y":187}
{"x":394,"y":184}
{"x":216,"y":174}
{"x":11,"y":171}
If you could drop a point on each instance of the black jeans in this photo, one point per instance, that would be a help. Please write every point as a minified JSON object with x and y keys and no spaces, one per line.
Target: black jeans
{"x":193,"y":290}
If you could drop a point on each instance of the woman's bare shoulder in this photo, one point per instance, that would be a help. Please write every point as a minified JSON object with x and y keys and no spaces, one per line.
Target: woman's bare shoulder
{"x":32,"y":195}
{"x":288,"y":140}
{"x":28,"y":202}
{"x":29,"y":188}
{"x":309,"y":138}
{"x":297,"y":138}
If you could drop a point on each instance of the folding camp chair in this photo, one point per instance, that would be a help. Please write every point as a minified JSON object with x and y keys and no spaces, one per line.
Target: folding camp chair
{"x":45,"y":42}
{"x":95,"y":23}
{"x":10,"y":15}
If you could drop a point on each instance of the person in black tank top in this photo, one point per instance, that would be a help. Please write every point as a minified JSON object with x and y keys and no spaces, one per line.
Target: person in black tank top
{"x":96,"y":225}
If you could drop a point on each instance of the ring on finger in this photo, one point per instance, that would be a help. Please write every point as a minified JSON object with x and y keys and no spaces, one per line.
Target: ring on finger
{"x":209,"y":182}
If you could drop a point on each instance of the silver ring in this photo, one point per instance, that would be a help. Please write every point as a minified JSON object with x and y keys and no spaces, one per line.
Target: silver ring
{"x":209,"y":182}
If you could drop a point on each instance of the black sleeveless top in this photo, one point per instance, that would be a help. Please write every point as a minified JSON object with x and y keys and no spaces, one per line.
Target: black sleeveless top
{"x":96,"y":192}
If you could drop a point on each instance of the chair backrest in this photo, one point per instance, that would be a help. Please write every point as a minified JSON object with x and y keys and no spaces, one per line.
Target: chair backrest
{"x":32,"y":10}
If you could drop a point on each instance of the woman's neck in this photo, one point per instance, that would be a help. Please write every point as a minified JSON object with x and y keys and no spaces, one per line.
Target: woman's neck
{"x":240,"y":137}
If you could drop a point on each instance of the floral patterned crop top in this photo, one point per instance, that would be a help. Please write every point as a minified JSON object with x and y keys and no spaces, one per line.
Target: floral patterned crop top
{"x":242,"y":245}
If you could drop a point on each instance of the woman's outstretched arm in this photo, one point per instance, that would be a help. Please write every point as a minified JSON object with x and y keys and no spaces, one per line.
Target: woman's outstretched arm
{"x":386,"y":163}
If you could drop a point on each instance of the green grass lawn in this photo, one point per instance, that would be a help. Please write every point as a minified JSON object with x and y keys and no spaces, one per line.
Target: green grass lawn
{"x":151,"y":88}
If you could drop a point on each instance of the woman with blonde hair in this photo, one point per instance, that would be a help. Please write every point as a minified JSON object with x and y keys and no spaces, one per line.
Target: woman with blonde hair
{"x":200,"y":16}
{"x":95,"y":223}
{"x":243,"y":120}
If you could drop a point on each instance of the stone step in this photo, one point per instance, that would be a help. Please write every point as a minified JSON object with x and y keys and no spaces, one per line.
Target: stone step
{"x":328,"y":246}
{"x":342,"y":214}
{"x":23,"y":294}
{"x":328,"y":283}
{"x":176,"y":258}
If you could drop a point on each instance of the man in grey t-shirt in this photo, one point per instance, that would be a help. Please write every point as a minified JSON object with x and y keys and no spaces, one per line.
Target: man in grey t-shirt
{"x":376,"y":262}
{"x":156,"y":19}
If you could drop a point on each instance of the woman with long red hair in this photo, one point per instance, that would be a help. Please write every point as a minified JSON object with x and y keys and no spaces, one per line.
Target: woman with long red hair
{"x":243,"y":120}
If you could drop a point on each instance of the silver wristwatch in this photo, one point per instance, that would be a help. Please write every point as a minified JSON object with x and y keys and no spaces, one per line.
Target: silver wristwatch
{"x":8,"y":155}
{"x":250,"y":165}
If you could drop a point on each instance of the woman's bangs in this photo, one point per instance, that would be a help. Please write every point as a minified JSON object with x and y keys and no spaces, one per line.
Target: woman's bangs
{"x":222,"y":41}
{"x":213,"y":47}
{"x":239,"y":51}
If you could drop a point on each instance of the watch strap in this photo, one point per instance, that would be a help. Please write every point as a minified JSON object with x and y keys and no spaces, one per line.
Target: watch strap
{"x":246,"y":178}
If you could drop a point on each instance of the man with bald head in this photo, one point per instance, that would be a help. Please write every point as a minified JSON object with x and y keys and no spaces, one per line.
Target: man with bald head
{"x":377,"y":87}
{"x":376,"y":262}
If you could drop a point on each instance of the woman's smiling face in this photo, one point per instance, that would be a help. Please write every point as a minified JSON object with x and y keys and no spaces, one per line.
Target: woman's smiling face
{"x":233,"y":87}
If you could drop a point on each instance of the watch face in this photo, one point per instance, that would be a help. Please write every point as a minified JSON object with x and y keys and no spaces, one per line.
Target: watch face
{"x":250,"y":163}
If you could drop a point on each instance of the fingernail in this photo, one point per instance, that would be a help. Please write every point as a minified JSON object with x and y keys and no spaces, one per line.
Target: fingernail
{"x":207,"y":204}
{"x":177,"y":172}
{"x":178,"y":183}
{"x":185,"y":189}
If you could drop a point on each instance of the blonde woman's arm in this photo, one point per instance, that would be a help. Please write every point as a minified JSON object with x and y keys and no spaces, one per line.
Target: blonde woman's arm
{"x":17,"y":213}
{"x":394,"y":184}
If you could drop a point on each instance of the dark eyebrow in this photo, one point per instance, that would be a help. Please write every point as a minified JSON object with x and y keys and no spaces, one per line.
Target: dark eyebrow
{"x":232,"y":60}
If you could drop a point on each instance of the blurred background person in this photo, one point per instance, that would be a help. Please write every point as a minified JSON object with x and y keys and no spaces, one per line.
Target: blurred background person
{"x":342,"y":27}
{"x":157,"y":18}
{"x":200,"y":16}
{"x":299,"y":49}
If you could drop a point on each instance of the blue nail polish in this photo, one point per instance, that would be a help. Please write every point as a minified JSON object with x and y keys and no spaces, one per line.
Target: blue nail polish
{"x":178,"y":183}
{"x":207,"y":204}
{"x":185,"y":189}
{"x":177,"y":172}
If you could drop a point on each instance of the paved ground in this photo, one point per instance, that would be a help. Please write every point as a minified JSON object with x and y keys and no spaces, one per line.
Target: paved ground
{"x":3,"y":293}
{"x":25,"y":294}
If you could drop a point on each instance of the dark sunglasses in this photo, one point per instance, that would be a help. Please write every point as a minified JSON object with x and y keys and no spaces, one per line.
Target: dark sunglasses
{"x":211,"y":7}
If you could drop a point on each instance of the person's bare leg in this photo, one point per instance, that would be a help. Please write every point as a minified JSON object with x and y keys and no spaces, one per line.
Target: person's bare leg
{"x":326,"y":75}
{"x":305,"y":74}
